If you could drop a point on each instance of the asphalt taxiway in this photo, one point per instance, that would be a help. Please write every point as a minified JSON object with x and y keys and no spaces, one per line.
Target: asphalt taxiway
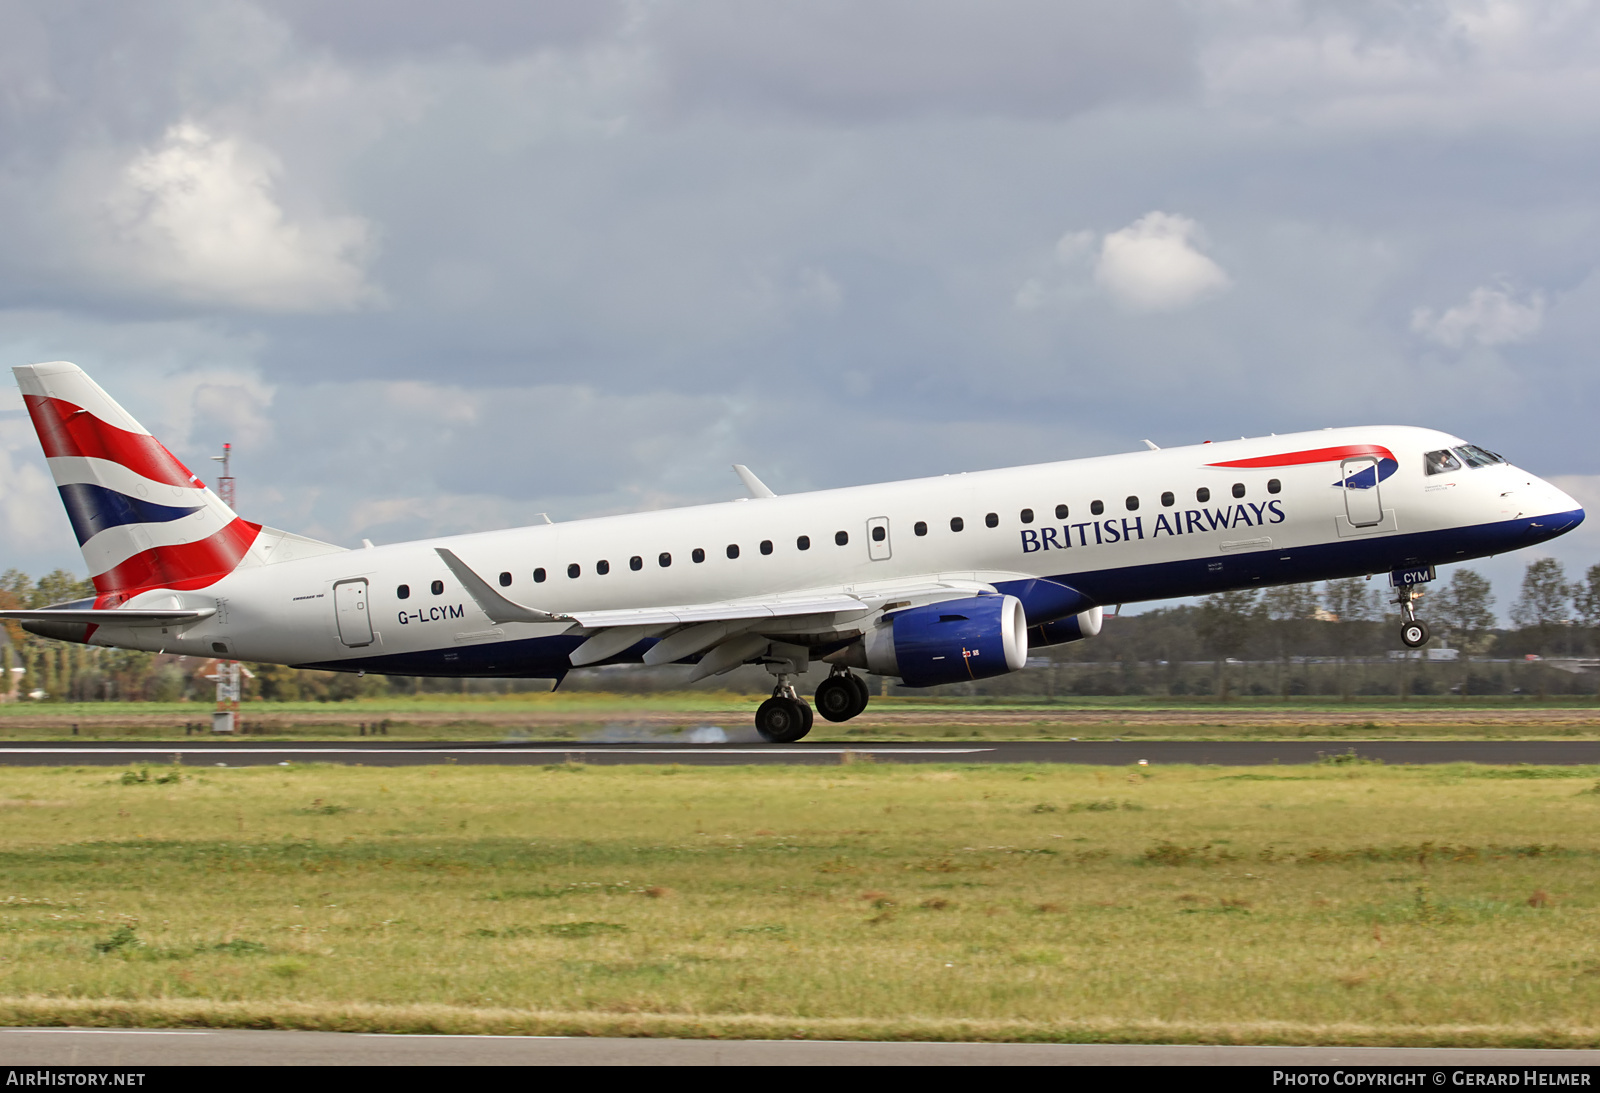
{"x":241,"y":752}
{"x":136,"y":1048}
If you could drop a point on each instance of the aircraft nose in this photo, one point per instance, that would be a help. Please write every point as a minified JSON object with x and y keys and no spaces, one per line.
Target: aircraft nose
{"x":1561,"y":508}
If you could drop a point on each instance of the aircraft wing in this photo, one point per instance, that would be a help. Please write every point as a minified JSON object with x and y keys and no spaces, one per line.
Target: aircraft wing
{"x":856,"y":600}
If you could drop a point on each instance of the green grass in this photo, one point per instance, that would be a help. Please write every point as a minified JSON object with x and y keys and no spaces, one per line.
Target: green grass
{"x":1343,"y":903}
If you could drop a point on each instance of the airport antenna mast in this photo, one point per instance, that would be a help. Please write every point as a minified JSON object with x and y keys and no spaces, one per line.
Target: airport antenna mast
{"x":225,"y":483}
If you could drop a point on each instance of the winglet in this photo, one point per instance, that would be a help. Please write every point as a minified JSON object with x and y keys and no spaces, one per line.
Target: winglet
{"x":496,"y":606}
{"x":756,"y":487}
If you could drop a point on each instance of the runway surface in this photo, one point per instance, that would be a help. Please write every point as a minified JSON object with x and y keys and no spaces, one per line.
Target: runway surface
{"x":133,"y":1048}
{"x":238,"y":753}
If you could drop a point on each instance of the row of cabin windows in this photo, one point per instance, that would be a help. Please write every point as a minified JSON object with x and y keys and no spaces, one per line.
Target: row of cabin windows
{"x":842,"y":538}
{"x":1096,"y":508}
{"x":664,"y":559}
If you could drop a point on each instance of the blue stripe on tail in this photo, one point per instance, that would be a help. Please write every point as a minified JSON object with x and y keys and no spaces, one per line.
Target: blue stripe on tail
{"x":92,"y":509}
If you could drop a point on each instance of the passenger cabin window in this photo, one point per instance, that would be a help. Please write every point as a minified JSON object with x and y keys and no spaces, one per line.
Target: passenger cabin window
{"x":602,"y":567}
{"x":1061,"y":512}
{"x":919,"y":528}
{"x":403,"y":592}
{"x":664,"y":560}
{"x":1167,"y":500}
{"x":697,"y":555}
{"x":1202,"y":495}
{"x":803,"y":543}
{"x":766,"y":546}
{"x":636,"y":563}
{"x":1027,"y":516}
{"x":1238,"y":489}
{"x":1132,"y":503}
{"x":574,"y":569}
{"x":992,"y":520}
{"x":733,"y":550}
{"x":438,"y":588}
{"x":538,"y":576}
{"x":879,"y":534}
{"x":956,"y":523}
{"x":841,"y":537}
{"x":505,"y":580}
{"x":1274,"y":486}
{"x":1097,"y":507}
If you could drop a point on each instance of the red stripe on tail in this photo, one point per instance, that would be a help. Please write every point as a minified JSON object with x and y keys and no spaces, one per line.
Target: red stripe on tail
{"x":65,"y":429}
{"x":1315,"y":455}
{"x":188,"y":565}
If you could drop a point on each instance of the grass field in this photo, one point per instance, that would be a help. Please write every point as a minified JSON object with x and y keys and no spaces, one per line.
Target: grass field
{"x":1344,"y":903}
{"x":601,"y":716}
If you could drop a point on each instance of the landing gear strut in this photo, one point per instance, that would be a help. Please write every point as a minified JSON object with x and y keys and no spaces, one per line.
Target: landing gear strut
{"x":842,"y":695}
{"x":1413,"y":631}
{"x":783,"y":718}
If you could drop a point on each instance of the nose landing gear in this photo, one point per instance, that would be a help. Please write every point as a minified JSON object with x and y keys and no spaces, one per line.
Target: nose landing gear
{"x":1413,"y":631}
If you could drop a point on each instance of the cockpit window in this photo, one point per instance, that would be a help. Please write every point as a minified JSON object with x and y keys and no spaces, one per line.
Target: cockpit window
{"x":1478,"y":457}
{"x":1441,"y":462}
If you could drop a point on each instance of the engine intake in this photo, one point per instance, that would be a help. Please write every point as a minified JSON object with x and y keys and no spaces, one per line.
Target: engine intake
{"x":949,"y":642}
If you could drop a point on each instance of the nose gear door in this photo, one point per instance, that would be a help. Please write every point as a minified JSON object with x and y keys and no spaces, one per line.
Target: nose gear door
{"x":350,"y":608}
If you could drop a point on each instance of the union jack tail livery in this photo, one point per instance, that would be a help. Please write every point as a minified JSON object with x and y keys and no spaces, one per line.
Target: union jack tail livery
{"x":141,"y":518}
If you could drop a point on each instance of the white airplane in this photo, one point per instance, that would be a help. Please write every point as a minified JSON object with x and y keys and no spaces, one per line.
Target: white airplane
{"x":933,"y":580}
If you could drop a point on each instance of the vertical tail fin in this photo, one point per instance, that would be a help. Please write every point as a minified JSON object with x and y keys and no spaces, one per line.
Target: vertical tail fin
{"x":141,"y":518}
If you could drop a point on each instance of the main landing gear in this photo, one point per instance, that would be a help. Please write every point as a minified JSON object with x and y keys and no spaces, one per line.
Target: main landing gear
{"x":842,"y":695}
{"x":783,"y":718}
{"x":1413,"y":631}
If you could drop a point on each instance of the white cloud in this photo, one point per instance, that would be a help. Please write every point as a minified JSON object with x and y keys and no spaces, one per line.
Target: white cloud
{"x":29,"y":506}
{"x":1153,"y":264}
{"x":196,"y":216}
{"x":1491,"y":316}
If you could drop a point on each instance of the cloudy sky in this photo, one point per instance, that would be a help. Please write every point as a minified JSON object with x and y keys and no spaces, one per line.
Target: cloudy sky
{"x":435,"y":268}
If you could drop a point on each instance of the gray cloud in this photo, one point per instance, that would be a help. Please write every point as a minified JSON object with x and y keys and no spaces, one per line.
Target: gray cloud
{"x":636,"y":242}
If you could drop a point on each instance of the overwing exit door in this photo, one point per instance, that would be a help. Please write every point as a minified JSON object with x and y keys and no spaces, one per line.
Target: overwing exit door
{"x":350,"y":607}
{"x":1362,"y":504}
{"x":878,"y":538}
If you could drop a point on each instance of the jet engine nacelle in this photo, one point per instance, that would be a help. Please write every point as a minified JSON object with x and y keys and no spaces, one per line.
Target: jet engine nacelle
{"x":949,"y":642}
{"x":1085,"y":624}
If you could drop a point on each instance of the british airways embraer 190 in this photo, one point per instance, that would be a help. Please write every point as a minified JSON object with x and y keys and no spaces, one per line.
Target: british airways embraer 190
{"x":934,"y":580}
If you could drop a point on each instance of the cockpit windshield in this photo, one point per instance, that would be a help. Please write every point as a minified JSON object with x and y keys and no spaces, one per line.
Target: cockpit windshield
{"x":1478,"y":457}
{"x":1441,"y":462}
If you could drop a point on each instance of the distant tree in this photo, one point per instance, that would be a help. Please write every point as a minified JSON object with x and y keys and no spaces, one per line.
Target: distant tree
{"x":1227,"y":620}
{"x":1465,"y":606}
{"x":1290,"y":602}
{"x":1586,"y":598}
{"x":1546,"y":597}
{"x":1352,"y":600}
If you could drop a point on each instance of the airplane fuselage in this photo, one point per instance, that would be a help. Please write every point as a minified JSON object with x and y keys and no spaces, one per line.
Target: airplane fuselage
{"x":1062,"y":537}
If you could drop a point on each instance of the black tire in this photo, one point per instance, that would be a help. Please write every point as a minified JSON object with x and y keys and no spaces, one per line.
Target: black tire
{"x":863,"y":692}
{"x":783,"y":720}
{"x":1414,"y":634}
{"x":836,"y":699}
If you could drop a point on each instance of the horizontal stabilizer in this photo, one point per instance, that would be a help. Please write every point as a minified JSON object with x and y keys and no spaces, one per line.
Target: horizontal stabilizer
{"x":113,"y":617}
